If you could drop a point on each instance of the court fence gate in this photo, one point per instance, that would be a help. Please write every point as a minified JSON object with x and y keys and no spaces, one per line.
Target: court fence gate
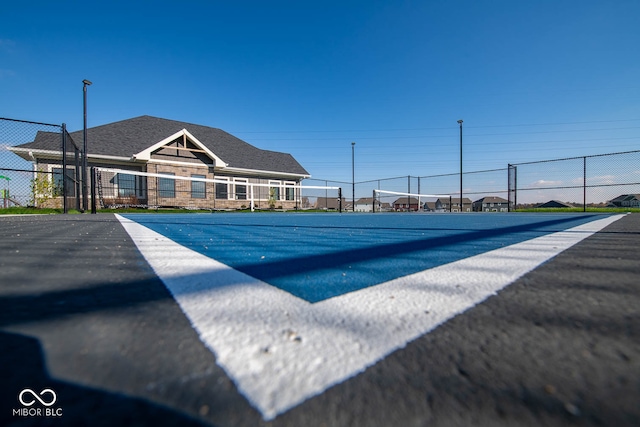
{"x":29,"y":182}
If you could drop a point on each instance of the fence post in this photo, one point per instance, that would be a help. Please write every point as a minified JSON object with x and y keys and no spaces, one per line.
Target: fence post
{"x":93,"y":190}
{"x":373,"y":201}
{"x":508,"y":187}
{"x":65,"y":187}
{"x":512,"y":186}
{"x":409,"y":192}
{"x":584,"y":184}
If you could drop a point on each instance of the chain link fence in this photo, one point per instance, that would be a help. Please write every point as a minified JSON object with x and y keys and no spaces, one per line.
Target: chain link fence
{"x":579,"y":183}
{"x":584,"y":183}
{"x":25,"y":182}
{"x":605,"y":181}
{"x":477,"y":185}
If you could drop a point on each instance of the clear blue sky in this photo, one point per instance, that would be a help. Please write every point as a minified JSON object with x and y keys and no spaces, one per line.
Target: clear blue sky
{"x":532,"y":80}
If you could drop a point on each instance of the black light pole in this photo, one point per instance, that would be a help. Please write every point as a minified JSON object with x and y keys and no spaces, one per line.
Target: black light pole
{"x":353,"y":177}
{"x":460,"y":123}
{"x":85,"y":204}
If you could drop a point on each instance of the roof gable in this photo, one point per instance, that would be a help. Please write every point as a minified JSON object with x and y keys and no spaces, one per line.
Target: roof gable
{"x":185,"y":135}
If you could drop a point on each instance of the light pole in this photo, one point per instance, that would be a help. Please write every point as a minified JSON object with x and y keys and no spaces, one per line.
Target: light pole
{"x":353,"y":177}
{"x":460,"y":123}
{"x":85,"y":204}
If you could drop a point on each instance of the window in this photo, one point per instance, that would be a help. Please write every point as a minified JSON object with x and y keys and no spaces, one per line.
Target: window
{"x":222,"y":190}
{"x":198,"y":188}
{"x":167,"y":186}
{"x":130,"y":185}
{"x":274,"y":191}
{"x":126,"y":185}
{"x":58,"y":184}
{"x":289,"y":191}
{"x":241,"y":191}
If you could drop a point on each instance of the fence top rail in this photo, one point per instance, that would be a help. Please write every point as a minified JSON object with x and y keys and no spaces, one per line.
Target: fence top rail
{"x":30,"y":122}
{"x":576,"y":158}
{"x":465,"y":173}
{"x":384,"y":179}
{"x":411,"y":176}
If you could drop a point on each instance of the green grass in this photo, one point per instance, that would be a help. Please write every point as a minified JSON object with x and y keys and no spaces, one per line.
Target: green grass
{"x":600,"y":210}
{"x":21,"y":210}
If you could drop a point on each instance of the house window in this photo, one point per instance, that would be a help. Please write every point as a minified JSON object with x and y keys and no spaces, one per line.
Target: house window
{"x":289,"y":191}
{"x":58,"y":183}
{"x":126,"y":185}
{"x":167,"y":186}
{"x":198,"y":188}
{"x":222,"y":190}
{"x":241,"y":191}
{"x":274,"y":190}
{"x":130,"y":185}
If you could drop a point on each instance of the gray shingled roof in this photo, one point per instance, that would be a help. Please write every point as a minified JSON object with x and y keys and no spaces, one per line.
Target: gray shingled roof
{"x":491,"y":199}
{"x":128,"y":137}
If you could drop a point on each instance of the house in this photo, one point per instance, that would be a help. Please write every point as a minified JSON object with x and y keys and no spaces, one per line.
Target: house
{"x":161,"y":146}
{"x":331,"y":204}
{"x":365,"y":204}
{"x":555,"y":204}
{"x":626,"y":201}
{"x":443,"y":204}
{"x":406,"y":204}
{"x":491,"y":204}
{"x":430,"y":207}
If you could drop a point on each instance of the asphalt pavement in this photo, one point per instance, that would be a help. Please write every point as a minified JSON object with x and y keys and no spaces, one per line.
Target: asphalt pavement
{"x":82,"y":314}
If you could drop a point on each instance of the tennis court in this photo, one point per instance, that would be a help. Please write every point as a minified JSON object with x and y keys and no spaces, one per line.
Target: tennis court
{"x":286,"y":319}
{"x":319,"y":256}
{"x":321,"y":297}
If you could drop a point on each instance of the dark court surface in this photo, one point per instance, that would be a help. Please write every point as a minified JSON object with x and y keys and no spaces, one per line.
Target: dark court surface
{"x":82,"y":314}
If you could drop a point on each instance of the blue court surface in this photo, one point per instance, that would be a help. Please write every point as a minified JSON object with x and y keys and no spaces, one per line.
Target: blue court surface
{"x":320,"y":256}
{"x":293,"y":304}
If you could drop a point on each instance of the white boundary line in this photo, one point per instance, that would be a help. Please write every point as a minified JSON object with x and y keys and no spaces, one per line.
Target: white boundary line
{"x":281,"y":350}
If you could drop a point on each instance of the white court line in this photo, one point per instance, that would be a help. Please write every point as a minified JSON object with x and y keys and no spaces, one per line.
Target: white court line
{"x":281,"y":350}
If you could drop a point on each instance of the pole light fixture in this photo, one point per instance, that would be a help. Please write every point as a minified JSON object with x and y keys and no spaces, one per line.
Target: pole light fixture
{"x":460,"y":123}
{"x":85,"y":202}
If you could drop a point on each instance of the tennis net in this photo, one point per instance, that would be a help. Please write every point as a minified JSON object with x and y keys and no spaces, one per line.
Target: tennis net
{"x":395,"y":201}
{"x":120,"y":188}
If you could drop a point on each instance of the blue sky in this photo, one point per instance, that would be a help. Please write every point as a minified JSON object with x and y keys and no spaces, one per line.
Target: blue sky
{"x":531,"y":80}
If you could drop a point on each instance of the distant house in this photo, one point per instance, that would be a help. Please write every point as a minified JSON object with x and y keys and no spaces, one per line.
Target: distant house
{"x":331,"y":204}
{"x":555,"y":204}
{"x":491,"y":204}
{"x":155,"y":145}
{"x":467,"y":205}
{"x":405,"y":204}
{"x":626,"y":201}
{"x":365,"y":204}
{"x":430,"y":206}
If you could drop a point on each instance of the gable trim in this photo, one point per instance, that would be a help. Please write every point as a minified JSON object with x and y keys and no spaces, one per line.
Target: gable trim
{"x":145,"y":155}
